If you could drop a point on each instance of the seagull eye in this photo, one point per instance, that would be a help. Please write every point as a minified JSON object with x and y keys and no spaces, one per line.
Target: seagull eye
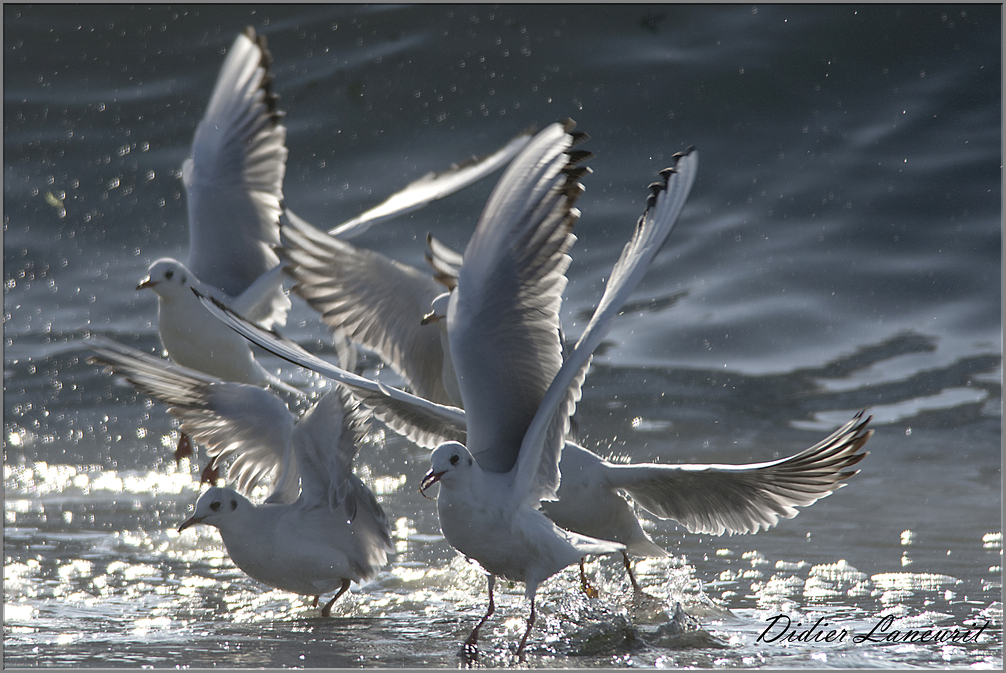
{"x":169,"y":274}
{"x":454,"y":459}
{"x":215,"y":505}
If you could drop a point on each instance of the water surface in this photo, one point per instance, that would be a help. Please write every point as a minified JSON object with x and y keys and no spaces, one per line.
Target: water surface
{"x":841,"y":249}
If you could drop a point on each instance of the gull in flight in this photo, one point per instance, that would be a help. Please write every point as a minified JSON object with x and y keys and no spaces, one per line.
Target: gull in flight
{"x":321,"y":528}
{"x":234,"y":191}
{"x":704,"y":498}
{"x":234,"y":187}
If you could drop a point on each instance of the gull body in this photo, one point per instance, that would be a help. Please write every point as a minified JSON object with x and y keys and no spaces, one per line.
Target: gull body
{"x":321,"y":528}
{"x":234,"y":186}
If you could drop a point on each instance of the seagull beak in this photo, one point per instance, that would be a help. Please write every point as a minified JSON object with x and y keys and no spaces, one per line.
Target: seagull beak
{"x":430,"y":479}
{"x":431,"y":317}
{"x":189,"y":522}
{"x":145,"y":283}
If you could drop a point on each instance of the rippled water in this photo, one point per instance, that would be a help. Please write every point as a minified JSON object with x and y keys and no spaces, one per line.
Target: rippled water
{"x":841,"y":249}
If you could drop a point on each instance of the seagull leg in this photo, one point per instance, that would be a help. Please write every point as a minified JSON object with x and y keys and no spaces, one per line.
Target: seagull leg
{"x":315,"y":603}
{"x":585,"y":585}
{"x":628,"y":569}
{"x":210,"y":474}
{"x":530,"y":623}
{"x":470,"y":652}
{"x":184,"y":448}
{"x":327,"y":610}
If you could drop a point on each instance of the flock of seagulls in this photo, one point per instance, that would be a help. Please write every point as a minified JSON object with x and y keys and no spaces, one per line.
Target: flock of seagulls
{"x":477,"y":338}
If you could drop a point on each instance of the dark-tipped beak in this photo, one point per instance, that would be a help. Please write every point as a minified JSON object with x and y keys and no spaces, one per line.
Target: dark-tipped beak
{"x":430,"y":479}
{"x":431,"y":317}
{"x":145,"y":283}
{"x":189,"y":522}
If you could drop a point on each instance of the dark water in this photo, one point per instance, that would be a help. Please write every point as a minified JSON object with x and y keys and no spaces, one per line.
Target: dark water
{"x":841,"y":249}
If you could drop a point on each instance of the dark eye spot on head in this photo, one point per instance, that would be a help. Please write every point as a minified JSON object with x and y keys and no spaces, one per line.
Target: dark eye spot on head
{"x":168,"y":274}
{"x":454,"y":459}
{"x":234,"y":505}
{"x":215,"y":505}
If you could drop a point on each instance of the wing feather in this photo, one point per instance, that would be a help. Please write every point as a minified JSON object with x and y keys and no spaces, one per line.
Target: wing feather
{"x":719,"y":499}
{"x":372,"y":300}
{"x":234,"y":179}
{"x":503,"y":317}
{"x":538,"y":464}
{"x":245,"y":424}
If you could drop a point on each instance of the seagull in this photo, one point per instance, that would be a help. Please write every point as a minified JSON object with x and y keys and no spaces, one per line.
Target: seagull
{"x":234,"y":190}
{"x":234,"y":186}
{"x":321,"y":528}
{"x":712,"y":499}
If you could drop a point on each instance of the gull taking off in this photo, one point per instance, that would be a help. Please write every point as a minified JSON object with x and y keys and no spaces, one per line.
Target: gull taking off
{"x":234,"y":187}
{"x":704,"y":498}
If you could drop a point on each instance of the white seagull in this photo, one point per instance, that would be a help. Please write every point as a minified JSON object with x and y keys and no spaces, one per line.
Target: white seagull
{"x":321,"y":528}
{"x":704,"y":498}
{"x":234,"y":189}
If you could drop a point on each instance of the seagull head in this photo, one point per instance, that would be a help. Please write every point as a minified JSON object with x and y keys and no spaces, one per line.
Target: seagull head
{"x":448,"y":459}
{"x":166,"y":277}
{"x":215,"y":507}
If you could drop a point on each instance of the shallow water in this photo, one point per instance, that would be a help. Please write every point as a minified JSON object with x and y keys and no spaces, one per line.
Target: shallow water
{"x":841,"y":249}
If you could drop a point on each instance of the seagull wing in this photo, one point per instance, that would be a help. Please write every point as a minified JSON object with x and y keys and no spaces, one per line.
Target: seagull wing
{"x":245,"y":423}
{"x":503,"y":317}
{"x":234,"y":179}
{"x":326,"y":440}
{"x":264,"y":302}
{"x":538,"y":467}
{"x":431,"y":187}
{"x":426,"y":423}
{"x":445,"y":262}
{"x":372,"y":300}
{"x":719,"y":499}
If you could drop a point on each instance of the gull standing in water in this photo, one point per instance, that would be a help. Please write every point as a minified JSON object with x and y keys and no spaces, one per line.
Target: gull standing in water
{"x":321,"y":528}
{"x":704,"y":498}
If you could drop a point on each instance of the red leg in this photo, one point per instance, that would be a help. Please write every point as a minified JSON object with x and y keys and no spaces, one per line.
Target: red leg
{"x":184,"y":448}
{"x":628,"y":569}
{"x":210,"y":474}
{"x":470,"y":651}
{"x":585,"y":586}
{"x":530,"y":623}
{"x":327,"y":610}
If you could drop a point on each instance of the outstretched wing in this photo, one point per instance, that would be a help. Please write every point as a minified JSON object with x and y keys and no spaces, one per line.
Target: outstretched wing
{"x":719,"y":499}
{"x":326,"y":441}
{"x":538,"y":466}
{"x":431,"y":187}
{"x":503,"y":317}
{"x":234,"y":179}
{"x":373,"y":300}
{"x":426,"y":423}
{"x":244,"y":423}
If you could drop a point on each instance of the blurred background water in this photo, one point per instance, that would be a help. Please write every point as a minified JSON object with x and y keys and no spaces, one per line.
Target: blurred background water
{"x":841,"y":249}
